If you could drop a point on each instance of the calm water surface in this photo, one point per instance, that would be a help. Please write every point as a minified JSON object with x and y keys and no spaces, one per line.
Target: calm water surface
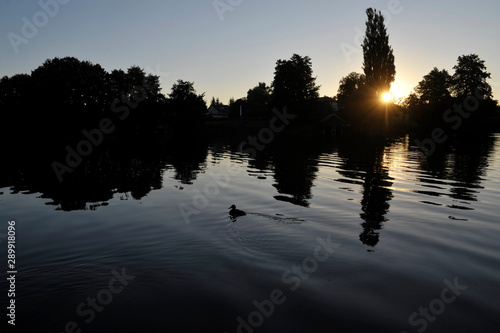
{"x":344,"y":236}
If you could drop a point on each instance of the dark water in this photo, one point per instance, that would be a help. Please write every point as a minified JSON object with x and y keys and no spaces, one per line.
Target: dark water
{"x":340,"y":235}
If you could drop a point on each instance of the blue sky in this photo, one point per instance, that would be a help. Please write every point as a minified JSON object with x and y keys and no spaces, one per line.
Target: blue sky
{"x":227,"y":53}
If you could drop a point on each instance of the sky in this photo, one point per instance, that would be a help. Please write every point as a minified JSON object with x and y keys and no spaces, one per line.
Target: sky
{"x":227,"y":47}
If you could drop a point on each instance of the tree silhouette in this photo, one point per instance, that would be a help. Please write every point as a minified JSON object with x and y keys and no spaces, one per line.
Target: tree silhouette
{"x":259,"y":99}
{"x":470,"y":74}
{"x":16,"y":106}
{"x":66,"y":95}
{"x":440,"y":92}
{"x":14,"y":89}
{"x":430,"y":97}
{"x":378,"y":57}
{"x":293,"y":84}
{"x":71,"y":82}
{"x":435,"y":87}
{"x":349,"y":87}
{"x":71,"y":93}
{"x":259,"y":94}
{"x":215,"y":102}
{"x":187,"y":108}
{"x":117,"y":83}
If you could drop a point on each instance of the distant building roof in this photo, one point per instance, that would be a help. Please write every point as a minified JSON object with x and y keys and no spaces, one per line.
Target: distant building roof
{"x":218,"y":110}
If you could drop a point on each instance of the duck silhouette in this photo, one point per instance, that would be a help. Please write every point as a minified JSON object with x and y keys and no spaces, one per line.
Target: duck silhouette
{"x":234,"y":213}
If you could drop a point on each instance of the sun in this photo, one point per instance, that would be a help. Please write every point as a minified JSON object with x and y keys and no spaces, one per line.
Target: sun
{"x":399,"y":90}
{"x":386,"y":97}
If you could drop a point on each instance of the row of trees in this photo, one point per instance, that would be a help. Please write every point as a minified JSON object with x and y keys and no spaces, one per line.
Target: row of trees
{"x":360,"y":94}
{"x":67,"y":95}
{"x":439,"y":91}
{"x":294,"y":86}
{"x":470,"y":77}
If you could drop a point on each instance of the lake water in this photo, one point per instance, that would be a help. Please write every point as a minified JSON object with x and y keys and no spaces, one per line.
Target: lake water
{"x":340,"y":235}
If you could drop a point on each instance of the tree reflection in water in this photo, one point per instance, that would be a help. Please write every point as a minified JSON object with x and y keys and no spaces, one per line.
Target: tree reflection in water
{"x":133,"y":167}
{"x":130,"y":165}
{"x":463,"y":162}
{"x":364,"y":160}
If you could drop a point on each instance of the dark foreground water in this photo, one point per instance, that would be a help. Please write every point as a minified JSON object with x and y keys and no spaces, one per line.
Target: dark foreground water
{"x":339,"y":236}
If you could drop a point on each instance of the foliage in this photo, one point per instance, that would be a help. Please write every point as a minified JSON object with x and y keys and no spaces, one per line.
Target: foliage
{"x":378,"y":57}
{"x":68,"y":95}
{"x":293,"y":85}
{"x":260,"y":94}
{"x":215,"y":102}
{"x":440,"y":94}
{"x":349,"y":87}
{"x":258,"y":100}
{"x":186,"y":107}
{"x":360,"y":94}
{"x":14,"y":90}
{"x":70,"y":82}
{"x":435,"y":87}
{"x":470,"y":74}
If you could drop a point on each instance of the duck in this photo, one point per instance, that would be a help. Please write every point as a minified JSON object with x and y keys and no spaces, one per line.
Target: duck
{"x":236,"y":212}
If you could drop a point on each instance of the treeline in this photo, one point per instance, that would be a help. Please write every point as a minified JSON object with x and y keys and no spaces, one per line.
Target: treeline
{"x":293,"y":87}
{"x":462,"y":101}
{"x":66,"y":95}
{"x":439,"y":98}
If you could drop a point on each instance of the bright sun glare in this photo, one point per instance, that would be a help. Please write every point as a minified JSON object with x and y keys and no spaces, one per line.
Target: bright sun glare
{"x":386,"y":97}
{"x":399,"y":90}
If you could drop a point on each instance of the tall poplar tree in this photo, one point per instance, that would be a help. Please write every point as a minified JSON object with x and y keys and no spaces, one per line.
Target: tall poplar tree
{"x":378,"y":57}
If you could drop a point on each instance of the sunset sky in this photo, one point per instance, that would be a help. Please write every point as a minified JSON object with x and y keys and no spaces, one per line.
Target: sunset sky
{"x":227,"y":51}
